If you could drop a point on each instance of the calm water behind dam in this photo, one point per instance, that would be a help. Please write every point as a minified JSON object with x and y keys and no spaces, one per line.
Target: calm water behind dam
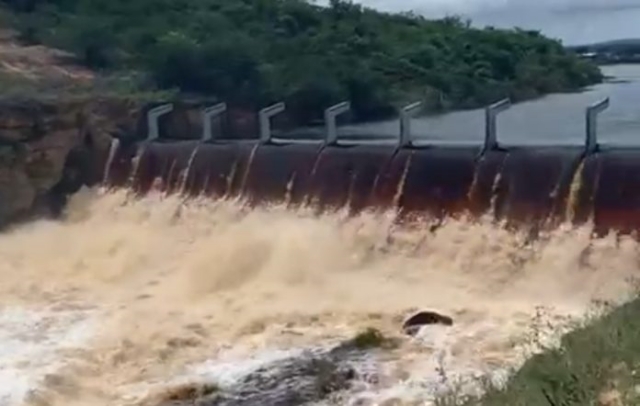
{"x":554,"y":119}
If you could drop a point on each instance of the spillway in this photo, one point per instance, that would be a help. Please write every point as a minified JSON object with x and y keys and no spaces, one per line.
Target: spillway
{"x":200,"y":261}
{"x":534,"y":187}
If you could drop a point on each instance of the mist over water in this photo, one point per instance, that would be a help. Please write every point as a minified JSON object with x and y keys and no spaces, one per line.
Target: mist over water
{"x":126,"y":293}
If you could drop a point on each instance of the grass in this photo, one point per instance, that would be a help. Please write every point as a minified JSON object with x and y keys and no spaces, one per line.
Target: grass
{"x":596,"y":364}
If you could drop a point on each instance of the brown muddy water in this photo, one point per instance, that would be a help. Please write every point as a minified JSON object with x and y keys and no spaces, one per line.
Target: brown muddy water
{"x":126,"y":297}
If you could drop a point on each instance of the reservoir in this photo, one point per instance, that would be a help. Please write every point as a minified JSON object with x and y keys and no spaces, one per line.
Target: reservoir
{"x":554,"y":119}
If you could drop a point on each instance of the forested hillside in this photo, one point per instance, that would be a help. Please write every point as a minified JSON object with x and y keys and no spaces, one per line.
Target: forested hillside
{"x":253,"y":52}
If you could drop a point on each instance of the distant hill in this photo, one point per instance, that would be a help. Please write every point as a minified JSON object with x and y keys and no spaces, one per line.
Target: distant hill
{"x":616,"y":43}
{"x":616,"y":51}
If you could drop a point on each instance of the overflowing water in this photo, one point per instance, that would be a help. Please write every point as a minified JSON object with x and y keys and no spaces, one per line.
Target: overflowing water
{"x":124,"y":297}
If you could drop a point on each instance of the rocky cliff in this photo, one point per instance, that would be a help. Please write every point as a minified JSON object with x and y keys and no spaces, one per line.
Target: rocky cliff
{"x":50,"y":148}
{"x":54,"y":131}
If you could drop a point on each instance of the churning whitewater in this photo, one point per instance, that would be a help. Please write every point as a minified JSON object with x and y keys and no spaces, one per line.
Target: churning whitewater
{"x":124,"y":297}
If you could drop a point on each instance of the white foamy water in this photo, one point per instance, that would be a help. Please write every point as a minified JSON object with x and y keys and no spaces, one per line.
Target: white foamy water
{"x":207,"y":290}
{"x":31,"y":347}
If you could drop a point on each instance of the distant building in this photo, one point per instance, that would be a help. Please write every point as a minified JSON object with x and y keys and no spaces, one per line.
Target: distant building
{"x":588,"y":55}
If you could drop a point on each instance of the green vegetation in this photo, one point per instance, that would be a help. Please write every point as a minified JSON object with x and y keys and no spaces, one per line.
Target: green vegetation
{"x":17,"y":88}
{"x":598,"y":364}
{"x":253,"y":52}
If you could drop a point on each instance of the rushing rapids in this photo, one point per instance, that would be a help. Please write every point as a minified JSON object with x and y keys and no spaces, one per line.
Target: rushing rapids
{"x":208,"y":262}
{"x":535,"y":187}
{"x":127,"y":297}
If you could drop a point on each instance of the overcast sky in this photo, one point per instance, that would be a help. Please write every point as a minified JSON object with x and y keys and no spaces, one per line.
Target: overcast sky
{"x":573,"y":21}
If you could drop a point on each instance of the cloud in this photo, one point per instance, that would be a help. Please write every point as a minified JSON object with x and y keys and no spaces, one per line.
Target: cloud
{"x":435,"y":7}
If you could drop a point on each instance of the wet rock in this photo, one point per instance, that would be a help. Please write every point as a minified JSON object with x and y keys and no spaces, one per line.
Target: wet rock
{"x":49,"y":149}
{"x":424,"y":318}
{"x":297,"y":382}
{"x":370,"y":338}
{"x":191,"y":393}
{"x":312,"y":376}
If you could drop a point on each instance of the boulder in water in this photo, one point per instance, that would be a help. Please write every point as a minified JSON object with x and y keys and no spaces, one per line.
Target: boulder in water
{"x":312,"y":376}
{"x":424,"y":318}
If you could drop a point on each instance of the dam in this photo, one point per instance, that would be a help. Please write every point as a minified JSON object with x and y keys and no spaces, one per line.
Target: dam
{"x":202,"y":263}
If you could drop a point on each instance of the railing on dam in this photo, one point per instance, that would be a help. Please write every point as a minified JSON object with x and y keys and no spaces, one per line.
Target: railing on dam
{"x":534,"y":186}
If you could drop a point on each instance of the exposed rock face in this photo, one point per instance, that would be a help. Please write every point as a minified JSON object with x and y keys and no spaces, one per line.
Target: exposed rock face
{"x":49,"y":149}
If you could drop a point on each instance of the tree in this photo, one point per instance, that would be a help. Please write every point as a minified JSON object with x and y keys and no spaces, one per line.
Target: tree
{"x":254,"y":52}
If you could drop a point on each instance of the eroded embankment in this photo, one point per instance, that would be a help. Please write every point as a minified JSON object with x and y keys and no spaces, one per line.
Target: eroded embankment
{"x":152,"y":288}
